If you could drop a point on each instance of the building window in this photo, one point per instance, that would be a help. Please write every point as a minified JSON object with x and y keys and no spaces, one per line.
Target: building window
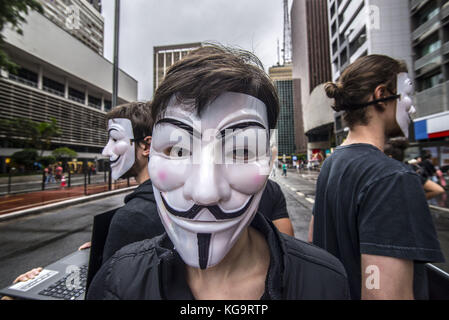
{"x":431,"y":46}
{"x":428,"y":13}
{"x":25,"y":76}
{"x":358,"y":41}
{"x":94,"y":102}
{"x":53,"y":86}
{"x":335,"y":47}
{"x":431,"y":81}
{"x":107,"y":105}
{"x":333,"y":10}
{"x":76,"y":95}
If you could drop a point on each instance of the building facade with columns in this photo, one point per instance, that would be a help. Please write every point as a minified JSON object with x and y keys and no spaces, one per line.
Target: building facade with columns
{"x":59,"y":77}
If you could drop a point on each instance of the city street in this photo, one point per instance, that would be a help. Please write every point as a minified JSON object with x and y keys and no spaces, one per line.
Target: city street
{"x":39,"y":240}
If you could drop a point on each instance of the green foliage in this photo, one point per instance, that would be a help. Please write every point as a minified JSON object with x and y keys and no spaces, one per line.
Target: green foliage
{"x":12,"y":13}
{"x":30,"y":133}
{"x":64,"y":153}
{"x":25,"y":158}
{"x":46,"y":161}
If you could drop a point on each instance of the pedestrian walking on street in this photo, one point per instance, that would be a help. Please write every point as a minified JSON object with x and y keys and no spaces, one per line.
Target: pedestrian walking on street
{"x":50,"y":178}
{"x":370,"y":210}
{"x":284,"y":170}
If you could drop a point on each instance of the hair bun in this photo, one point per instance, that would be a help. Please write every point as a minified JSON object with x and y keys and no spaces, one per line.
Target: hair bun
{"x":333,"y":90}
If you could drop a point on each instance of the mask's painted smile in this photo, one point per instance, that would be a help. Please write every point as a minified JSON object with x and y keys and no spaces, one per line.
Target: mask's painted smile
{"x":215,"y":210}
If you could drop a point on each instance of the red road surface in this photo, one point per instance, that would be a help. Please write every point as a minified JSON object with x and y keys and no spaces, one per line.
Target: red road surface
{"x":16,"y":202}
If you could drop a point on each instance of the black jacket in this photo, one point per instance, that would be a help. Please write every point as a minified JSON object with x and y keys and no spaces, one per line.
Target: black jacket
{"x":152,"y":269}
{"x":140,"y":215}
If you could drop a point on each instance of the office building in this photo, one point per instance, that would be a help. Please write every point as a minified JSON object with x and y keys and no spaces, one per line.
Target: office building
{"x":362,"y":27}
{"x":165,"y":56}
{"x":81,"y":18}
{"x":430,"y":45}
{"x":282,"y":79}
{"x":311,"y":68}
{"x":59,"y":77}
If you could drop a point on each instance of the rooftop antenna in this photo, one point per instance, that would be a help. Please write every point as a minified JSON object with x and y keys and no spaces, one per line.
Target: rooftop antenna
{"x":287,"y":54}
{"x":279,"y":58}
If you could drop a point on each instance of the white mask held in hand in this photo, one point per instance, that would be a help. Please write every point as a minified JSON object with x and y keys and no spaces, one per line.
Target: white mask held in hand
{"x":120,"y":148}
{"x":404,"y":107}
{"x":209,"y":173}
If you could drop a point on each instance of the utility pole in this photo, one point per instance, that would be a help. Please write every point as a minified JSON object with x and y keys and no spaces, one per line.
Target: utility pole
{"x":116,"y":51}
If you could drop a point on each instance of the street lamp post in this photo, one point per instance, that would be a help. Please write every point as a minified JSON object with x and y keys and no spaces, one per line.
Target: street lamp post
{"x":116,"y":52}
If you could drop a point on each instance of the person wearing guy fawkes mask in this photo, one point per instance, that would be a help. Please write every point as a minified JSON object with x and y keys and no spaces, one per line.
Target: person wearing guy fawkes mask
{"x":209,"y":163}
{"x":128,"y":148}
{"x":370,"y":210}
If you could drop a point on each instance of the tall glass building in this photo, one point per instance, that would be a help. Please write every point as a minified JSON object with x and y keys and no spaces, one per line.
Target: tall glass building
{"x":286,"y":123}
{"x":286,"y":135}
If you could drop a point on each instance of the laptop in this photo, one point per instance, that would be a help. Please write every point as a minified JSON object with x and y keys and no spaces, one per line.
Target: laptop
{"x":69,"y":277}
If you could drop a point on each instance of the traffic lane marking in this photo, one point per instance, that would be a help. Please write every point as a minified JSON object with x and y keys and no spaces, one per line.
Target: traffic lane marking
{"x":12,"y":200}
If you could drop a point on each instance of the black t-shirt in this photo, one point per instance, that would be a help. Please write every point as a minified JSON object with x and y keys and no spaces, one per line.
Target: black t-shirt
{"x":368,"y":203}
{"x":272,"y":204}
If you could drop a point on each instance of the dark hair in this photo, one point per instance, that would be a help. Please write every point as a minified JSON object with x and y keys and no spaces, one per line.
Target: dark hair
{"x":140,"y":115}
{"x":396,"y":148}
{"x":207,"y":72}
{"x":358,"y":81}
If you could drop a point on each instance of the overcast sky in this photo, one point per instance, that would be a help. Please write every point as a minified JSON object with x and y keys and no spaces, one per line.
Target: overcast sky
{"x":254,"y":25}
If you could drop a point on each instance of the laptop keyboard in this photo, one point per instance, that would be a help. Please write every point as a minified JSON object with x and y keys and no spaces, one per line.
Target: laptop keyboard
{"x":60,"y":290}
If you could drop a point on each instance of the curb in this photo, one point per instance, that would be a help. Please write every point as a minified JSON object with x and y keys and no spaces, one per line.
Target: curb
{"x":61,"y":204}
{"x":439,"y":209}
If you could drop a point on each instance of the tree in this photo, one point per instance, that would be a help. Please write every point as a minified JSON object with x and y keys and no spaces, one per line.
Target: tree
{"x":12,"y":12}
{"x":25,"y":158}
{"x":29,"y":133}
{"x":64,"y":153}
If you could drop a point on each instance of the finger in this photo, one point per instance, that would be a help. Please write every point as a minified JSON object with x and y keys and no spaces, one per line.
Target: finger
{"x":19,"y":278}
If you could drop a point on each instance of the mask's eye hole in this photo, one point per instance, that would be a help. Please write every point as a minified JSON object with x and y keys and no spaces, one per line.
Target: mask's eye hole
{"x":176,"y":152}
{"x":242,"y":155}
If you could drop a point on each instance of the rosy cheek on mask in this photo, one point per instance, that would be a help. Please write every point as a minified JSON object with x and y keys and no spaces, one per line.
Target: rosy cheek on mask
{"x":162,"y":175}
{"x":167,"y":175}
{"x":247,"y":178}
{"x":120,"y":147}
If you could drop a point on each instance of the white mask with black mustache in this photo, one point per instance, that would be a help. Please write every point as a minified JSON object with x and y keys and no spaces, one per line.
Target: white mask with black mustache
{"x":209,"y":173}
{"x":120,"y":148}
{"x":404,"y":107}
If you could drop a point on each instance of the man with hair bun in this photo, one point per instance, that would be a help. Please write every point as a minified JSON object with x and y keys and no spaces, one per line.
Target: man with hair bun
{"x":370,"y":210}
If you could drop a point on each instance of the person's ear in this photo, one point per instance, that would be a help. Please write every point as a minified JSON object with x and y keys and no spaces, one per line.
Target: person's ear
{"x":147,"y":143}
{"x":380,"y":92}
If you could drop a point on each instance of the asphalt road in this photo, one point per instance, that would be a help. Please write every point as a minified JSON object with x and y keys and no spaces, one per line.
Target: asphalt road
{"x":38,"y":240}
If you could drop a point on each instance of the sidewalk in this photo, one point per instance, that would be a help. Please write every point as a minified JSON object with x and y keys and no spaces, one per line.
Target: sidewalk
{"x":12,"y":203}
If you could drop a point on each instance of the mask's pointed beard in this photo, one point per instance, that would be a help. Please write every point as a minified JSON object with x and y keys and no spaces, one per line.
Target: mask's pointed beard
{"x":203,"y":249}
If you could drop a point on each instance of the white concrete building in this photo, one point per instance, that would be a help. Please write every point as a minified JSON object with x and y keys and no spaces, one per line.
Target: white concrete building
{"x":362,"y":27}
{"x":59,"y":77}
